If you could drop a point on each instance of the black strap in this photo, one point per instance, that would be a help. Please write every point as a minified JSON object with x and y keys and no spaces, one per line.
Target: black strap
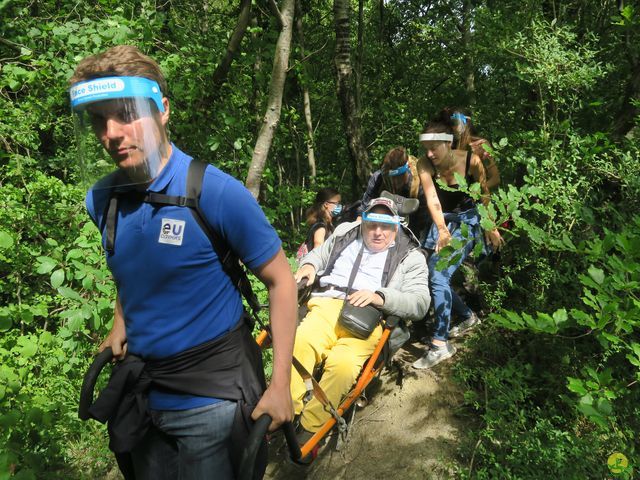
{"x":387,"y":264}
{"x":111,"y":220}
{"x":354,"y":271}
{"x":229,"y":261}
{"x":162,"y":199}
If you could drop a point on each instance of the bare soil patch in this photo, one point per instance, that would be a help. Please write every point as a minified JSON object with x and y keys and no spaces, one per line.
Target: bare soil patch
{"x":408,"y":428}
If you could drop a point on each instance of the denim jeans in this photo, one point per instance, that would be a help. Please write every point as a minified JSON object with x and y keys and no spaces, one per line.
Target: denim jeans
{"x":444,"y":298}
{"x":187,"y":444}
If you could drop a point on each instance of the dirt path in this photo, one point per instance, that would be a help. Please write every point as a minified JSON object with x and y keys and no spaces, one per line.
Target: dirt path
{"x":409,"y":430}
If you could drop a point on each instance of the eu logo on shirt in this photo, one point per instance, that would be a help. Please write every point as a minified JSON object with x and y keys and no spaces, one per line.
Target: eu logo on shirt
{"x":171,"y":231}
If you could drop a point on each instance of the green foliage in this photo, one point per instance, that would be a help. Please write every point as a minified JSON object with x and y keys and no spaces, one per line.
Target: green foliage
{"x":557,"y":379}
{"x":555,"y":374}
{"x":609,"y":312}
{"x":562,"y":69}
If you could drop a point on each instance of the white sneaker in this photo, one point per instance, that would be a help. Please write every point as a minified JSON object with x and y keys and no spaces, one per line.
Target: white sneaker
{"x":434,"y":356}
{"x":465,"y":326}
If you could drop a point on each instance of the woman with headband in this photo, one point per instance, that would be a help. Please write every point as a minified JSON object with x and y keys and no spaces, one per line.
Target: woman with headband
{"x":399,"y":175}
{"x":450,"y":209}
{"x":465,"y":137}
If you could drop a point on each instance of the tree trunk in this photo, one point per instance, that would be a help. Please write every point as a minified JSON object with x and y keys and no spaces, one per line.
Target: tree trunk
{"x":624,"y":121}
{"x":274,"y":102}
{"x":305,"y":95}
{"x":222,"y":70}
{"x":346,"y":96}
{"x":359,"y":56}
{"x":256,"y":91}
{"x":381,"y":27}
{"x":469,"y":70}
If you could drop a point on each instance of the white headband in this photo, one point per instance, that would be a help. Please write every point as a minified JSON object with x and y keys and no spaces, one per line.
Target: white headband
{"x":445,"y":137}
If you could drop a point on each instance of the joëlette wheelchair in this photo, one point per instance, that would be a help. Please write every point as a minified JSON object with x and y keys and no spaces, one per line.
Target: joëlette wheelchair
{"x":393,"y":336}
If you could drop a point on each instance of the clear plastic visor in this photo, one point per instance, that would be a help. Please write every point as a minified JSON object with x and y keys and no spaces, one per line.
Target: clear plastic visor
{"x":121,"y":140}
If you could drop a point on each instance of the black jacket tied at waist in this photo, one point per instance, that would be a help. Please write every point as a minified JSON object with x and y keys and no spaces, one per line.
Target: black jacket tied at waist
{"x":228,"y":367}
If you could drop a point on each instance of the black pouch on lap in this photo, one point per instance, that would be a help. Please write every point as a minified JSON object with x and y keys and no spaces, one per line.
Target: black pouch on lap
{"x":359,"y":321}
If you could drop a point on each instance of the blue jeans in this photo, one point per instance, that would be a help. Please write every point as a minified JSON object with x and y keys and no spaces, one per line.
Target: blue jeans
{"x":187,"y":444}
{"x":444,"y":298}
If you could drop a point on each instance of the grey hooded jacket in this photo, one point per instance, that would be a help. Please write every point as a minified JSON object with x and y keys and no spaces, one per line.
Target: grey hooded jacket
{"x":405,"y":284}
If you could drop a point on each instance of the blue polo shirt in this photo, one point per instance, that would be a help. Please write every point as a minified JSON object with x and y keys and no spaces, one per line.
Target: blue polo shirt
{"x":173,"y":290}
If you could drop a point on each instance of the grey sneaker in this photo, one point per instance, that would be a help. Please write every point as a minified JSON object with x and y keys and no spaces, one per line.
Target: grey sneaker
{"x":465,"y":326}
{"x":434,"y":356}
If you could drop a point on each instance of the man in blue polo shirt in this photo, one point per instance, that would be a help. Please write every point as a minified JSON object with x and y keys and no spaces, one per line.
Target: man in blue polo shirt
{"x":175,"y":303}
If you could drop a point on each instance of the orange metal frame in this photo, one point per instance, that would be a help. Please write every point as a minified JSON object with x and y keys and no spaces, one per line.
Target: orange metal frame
{"x":368,"y":373}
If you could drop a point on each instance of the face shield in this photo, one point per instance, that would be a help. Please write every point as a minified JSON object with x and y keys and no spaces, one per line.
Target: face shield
{"x":119,"y":130}
{"x":460,"y":122}
{"x":379,"y":230}
{"x":396,"y":172}
{"x":396,"y":178}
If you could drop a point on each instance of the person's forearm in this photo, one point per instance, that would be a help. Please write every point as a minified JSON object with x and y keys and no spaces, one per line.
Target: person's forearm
{"x":435,"y":210}
{"x":118,"y":317}
{"x":433,"y":202}
{"x":283,"y":314}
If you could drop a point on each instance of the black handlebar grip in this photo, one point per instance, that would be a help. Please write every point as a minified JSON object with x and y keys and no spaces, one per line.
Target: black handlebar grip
{"x":256,"y":437}
{"x":89,"y":382}
{"x":292,"y":441}
{"x":254,"y":442}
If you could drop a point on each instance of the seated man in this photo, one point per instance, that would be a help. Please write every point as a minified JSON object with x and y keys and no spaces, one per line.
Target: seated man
{"x":392,"y":276}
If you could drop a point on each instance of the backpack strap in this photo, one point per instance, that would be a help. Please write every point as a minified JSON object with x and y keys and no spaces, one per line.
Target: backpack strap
{"x":228,"y":259}
{"x":110,"y":221}
{"x":468,"y":162}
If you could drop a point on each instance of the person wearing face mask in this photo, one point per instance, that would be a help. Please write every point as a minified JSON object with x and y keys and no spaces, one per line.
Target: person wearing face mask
{"x":373,"y":262}
{"x":320,"y":216}
{"x":454,"y":215}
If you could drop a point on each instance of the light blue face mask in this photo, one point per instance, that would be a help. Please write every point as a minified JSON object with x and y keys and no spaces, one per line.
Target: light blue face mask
{"x":337,"y":210}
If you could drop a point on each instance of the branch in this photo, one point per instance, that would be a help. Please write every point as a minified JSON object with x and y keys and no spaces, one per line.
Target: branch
{"x":377,"y":139}
{"x":439,"y":84}
{"x":222,"y":70}
{"x":306,"y":57}
{"x":276,"y":13}
{"x":589,"y":332}
{"x":11,"y":44}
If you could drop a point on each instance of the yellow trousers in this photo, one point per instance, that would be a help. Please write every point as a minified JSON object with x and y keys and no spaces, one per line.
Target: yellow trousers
{"x":319,"y":337}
